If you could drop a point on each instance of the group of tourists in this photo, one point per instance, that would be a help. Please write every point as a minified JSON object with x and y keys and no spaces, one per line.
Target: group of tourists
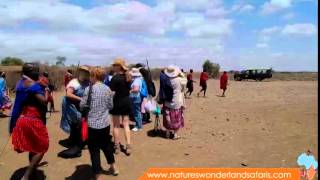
{"x":94,"y":100}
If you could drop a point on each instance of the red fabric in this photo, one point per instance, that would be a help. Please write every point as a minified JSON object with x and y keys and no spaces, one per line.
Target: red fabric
{"x":67,"y":79}
{"x":30,"y":134}
{"x":224,"y":81}
{"x":189,"y":77}
{"x":203,"y":78}
{"x":84,"y":129}
{"x":43,"y":81}
{"x":50,"y":98}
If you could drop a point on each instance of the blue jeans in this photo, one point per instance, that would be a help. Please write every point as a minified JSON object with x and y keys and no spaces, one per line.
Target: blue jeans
{"x":136,"y":108}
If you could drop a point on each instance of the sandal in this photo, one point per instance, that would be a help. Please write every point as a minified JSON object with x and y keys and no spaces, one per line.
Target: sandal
{"x":116,"y":148}
{"x":128,"y":150}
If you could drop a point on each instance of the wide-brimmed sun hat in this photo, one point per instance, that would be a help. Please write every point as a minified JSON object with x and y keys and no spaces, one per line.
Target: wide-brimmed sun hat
{"x":120,"y":62}
{"x":135,"y":72}
{"x":172,"y":71}
{"x":84,"y":68}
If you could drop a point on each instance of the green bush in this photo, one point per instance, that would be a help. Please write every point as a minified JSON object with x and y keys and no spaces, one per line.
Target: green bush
{"x":211,"y":68}
{"x":11,"y":61}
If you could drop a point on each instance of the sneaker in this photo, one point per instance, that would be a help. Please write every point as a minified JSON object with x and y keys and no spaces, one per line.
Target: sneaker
{"x":128,"y":150}
{"x":135,"y":129}
{"x":113,"y":171}
{"x":176,"y":137}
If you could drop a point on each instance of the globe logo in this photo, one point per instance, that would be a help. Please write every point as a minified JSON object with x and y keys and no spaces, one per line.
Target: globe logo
{"x":308,"y":165}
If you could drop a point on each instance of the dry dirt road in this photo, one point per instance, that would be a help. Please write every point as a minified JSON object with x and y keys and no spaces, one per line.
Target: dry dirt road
{"x":258,"y":124}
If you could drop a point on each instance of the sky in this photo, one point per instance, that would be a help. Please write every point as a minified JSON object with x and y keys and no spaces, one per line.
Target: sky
{"x":237,"y":34}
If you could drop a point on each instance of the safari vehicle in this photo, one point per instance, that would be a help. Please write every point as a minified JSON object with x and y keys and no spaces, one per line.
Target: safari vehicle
{"x":255,"y":74}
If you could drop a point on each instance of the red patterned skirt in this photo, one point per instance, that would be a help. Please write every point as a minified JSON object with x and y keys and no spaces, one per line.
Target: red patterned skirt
{"x":30,"y":133}
{"x":173,"y":118}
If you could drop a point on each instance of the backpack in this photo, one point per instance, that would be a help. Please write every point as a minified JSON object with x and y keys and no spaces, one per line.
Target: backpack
{"x":106,"y":80}
{"x":152,"y":89}
{"x":144,"y":89}
{"x":166,"y":90}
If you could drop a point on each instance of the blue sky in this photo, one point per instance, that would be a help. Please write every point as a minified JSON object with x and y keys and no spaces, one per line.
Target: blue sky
{"x":237,"y":34}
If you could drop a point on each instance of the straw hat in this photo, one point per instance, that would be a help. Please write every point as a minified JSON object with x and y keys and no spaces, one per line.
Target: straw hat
{"x":120,"y":62}
{"x":172,"y":71}
{"x":135,"y":72}
{"x":84,"y":68}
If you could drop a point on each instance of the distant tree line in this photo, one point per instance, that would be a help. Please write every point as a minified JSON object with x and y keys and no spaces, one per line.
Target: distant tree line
{"x":11,"y":61}
{"x":14,"y":61}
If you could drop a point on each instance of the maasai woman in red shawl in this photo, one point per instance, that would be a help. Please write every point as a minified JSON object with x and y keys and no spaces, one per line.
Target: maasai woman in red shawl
{"x":224,"y":82}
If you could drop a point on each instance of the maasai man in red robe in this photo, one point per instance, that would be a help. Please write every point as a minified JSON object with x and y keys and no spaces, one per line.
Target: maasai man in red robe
{"x":224,"y":82}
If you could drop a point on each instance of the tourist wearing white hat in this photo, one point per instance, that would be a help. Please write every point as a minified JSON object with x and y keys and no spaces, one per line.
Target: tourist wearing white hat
{"x":173,"y":119}
{"x":136,"y":98}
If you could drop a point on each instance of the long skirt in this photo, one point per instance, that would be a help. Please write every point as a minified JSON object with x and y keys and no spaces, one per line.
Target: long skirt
{"x":173,"y":119}
{"x":70,"y":114}
{"x":30,"y":133}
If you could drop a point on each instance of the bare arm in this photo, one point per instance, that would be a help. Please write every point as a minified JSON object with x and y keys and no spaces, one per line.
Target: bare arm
{"x":135,"y":89}
{"x":43,"y":98}
{"x":109,"y":99}
{"x":128,"y":76}
{"x":70,"y":94}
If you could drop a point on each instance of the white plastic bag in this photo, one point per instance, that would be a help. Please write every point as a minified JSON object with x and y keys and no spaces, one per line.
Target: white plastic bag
{"x":151,"y":105}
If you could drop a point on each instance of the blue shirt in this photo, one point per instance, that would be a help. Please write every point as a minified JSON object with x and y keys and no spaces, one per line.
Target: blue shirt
{"x":22,"y":93}
{"x":2,"y":85}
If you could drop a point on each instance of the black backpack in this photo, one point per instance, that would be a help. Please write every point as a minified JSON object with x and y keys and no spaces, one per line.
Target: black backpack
{"x":152,"y":89}
{"x":166,"y":91}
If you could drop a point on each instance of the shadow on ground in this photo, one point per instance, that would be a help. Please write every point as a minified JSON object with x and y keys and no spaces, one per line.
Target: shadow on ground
{"x":36,"y":175}
{"x":82,"y":172}
{"x":158,"y":133}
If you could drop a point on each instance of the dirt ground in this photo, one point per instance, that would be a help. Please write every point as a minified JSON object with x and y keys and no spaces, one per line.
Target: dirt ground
{"x":258,"y":124}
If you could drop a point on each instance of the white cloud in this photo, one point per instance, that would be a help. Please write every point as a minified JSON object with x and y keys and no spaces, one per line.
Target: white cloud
{"x":288,"y":16}
{"x":119,"y":28}
{"x":262,"y":45}
{"x":277,"y":55}
{"x":299,"y":30}
{"x":266,"y":34}
{"x":271,"y":30}
{"x":243,"y":8}
{"x":273,"y":6}
{"x":198,"y":5}
{"x":247,"y":8}
{"x":292,"y":30}
{"x":126,"y":17}
{"x":196,"y":25}
{"x":216,"y":12}
{"x":93,"y":49}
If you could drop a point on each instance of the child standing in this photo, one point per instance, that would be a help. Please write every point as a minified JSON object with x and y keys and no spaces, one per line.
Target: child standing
{"x":99,"y":137}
